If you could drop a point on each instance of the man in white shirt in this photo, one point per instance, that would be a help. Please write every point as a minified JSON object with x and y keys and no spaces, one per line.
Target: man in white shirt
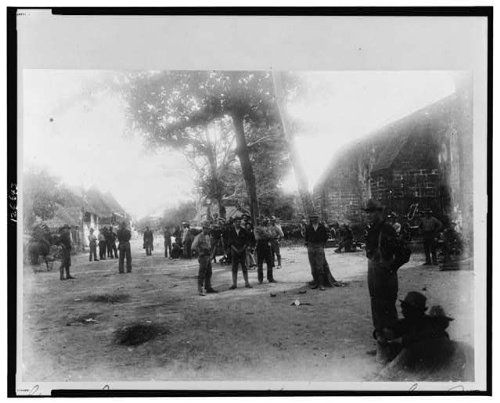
{"x":203,"y":245}
{"x":276,"y":235}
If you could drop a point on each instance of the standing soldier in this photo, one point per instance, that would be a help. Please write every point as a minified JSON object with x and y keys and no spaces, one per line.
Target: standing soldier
{"x":187,"y":240}
{"x":167,"y":241}
{"x":148,"y":241}
{"x":238,"y":242}
{"x":264,"y":254}
{"x":382,"y":276}
{"x":113,"y":242}
{"x":276,"y":235}
{"x":65,"y":242}
{"x":203,"y":245}
{"x":251,"y":245}
{"x":316,"y":236}
{"x":124,"y":236}
{"x":102,"y":243}
{"x":430,"y":227}
{"x":217,"y":243}
{"x":93,"y":246}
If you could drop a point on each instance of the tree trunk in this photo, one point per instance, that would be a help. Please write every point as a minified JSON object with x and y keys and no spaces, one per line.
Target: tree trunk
{"x":246,"y":165}
{"x":300,"y":175}
{"x":222,"y":209}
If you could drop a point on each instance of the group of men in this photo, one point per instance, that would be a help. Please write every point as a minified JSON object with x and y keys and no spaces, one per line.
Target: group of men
{"x":422,"y":336}
{"x":107,"y":244}
{"x":239,"y":242}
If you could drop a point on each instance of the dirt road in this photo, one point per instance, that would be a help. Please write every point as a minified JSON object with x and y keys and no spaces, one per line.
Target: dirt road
{"x":71,"y":328}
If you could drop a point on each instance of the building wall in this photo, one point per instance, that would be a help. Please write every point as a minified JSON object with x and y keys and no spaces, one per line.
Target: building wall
{"x":433,"y":168}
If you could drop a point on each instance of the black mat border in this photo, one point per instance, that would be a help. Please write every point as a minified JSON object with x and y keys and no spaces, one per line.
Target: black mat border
{"x":479,"y":11}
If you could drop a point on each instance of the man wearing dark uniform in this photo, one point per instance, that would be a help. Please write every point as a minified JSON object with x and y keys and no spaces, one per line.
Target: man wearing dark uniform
{"x":382,"y":275}
{"x":124,"y":236}
{"x":316,"y":236}
{"x":430,"y":226}
{"x":264,"y":253}
{"x":167,"y":241}
{"x":148,"y":241}
{"x":238,"y":241}
{"x":187,"y":240}
{"x":111,"y":243}
{"x":217,"y":242}
{"x":65,"y":243}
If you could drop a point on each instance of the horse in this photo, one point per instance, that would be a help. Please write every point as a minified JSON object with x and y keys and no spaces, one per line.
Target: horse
{"x":42,"y":245}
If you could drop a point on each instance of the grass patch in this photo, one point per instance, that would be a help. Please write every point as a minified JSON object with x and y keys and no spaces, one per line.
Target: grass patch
{"x":108,"y":298}
{"x":138,"y":333}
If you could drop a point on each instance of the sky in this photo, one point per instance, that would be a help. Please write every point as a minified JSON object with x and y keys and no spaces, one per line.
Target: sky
{"x":341,"y":108}
{"x":83,"y":139}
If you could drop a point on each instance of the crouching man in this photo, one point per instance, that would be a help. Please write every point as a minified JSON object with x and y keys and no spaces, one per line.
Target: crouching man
{"x":203,"y":245}
{"x":420,"y":339}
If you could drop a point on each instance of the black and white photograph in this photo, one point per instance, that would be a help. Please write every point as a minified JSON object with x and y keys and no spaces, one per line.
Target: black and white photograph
{"x":251,"y":202}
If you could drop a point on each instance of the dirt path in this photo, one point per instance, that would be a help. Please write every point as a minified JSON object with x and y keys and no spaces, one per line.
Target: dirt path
{"x":242,"y":334}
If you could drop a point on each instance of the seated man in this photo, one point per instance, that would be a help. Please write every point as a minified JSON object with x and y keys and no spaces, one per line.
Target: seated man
{"x":176,"y":251}
{"x":420,"y":340}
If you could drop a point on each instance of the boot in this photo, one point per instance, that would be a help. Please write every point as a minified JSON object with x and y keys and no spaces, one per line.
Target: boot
{"x":279,"y":262}
{"x":270,"y":275}
{"x":321,"y":283}
{"x":200,"y":288}
{"x":245,"y":277}
{"x":383,"y":353}
{"x":61,"y":271}
{"x":68,"y":276}
{"x":235,"y":276}
{"x":208,"y":287}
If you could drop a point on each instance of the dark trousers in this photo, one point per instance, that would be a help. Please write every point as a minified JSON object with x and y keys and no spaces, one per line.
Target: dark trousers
{"x":204,"y":273}
{"x":236,"y":260}
{"x":102,"y":249}
{"x":112,"y":249}
{"x":317,"y":260}
{"x":275,"y":250}
{"x":186,"y":249}
{"x":124,"y":249}
{"x":65,"y":263}
{"x":264,"y":255}
{"x":93,"y":251}
{"x":168,"y":249}
{"x":430,"y":249}
{"x":383,"y":289}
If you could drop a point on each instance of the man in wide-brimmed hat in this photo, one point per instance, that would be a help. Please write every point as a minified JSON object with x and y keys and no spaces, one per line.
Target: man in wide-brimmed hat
{"x":203,"y":245}
{"x":382,"y":275}
{"x":315,"y":238}
{"x":421,"y":339}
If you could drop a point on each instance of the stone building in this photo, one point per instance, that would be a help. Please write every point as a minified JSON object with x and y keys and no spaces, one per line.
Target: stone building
{"x":423,"y":159}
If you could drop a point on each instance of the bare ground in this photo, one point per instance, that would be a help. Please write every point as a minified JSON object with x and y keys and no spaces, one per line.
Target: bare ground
{"x":70,"y":327}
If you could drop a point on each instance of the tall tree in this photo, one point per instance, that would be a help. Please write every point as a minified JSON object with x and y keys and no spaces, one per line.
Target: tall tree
{"x":40,"y":197}
{"x":166,"y":106}
{"x":213,"y":159}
